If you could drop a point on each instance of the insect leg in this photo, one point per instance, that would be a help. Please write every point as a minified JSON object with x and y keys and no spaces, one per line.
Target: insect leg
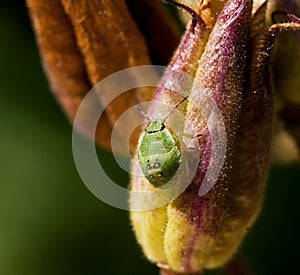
{"x":191,"y":136}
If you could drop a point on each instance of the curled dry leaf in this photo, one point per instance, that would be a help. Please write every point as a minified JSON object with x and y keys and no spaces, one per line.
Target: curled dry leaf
{"x":81,"y":42}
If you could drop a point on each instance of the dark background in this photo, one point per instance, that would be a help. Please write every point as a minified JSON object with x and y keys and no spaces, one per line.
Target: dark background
{"x":51,"y":224}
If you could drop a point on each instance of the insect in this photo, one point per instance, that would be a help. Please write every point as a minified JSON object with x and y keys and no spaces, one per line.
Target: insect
{"x":159,"y":150}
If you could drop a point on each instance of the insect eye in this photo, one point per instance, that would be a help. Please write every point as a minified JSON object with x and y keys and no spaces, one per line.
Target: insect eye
{"x":151,"y":176}
{"x":156,"y":165}
{"x":160,"y":175}
{"x":148,"y":166}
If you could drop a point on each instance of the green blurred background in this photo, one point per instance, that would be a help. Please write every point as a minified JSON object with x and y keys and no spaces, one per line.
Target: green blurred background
{"x":51,"y":224}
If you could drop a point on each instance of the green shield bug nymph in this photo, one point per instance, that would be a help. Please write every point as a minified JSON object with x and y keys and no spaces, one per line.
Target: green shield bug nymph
{"x":159,"y":151}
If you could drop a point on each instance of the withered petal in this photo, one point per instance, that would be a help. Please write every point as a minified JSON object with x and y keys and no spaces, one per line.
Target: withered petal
{"x":81,"y":42}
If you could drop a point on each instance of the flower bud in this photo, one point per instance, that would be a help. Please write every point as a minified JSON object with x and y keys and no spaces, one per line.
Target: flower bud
{"x":203,"y":227}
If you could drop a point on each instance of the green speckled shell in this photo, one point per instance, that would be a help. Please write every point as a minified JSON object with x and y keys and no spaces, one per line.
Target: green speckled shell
{"x":158,"y":153}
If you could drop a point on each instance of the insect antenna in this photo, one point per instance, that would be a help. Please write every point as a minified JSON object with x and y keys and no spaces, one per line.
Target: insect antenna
{"x":143,"y":113}
{"x":168,"y":114}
